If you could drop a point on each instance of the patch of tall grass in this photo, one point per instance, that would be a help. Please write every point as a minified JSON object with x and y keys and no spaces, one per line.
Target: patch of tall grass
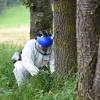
{"x":43,"y":86}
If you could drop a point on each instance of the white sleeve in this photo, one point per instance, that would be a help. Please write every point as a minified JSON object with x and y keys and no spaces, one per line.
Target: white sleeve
{"x":28,"y":59}
{"x":52,"y":62}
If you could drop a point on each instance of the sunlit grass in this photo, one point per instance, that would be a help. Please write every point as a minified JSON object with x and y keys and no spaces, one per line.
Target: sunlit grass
{"x":15,"y":16}
{"x":14,"y":38}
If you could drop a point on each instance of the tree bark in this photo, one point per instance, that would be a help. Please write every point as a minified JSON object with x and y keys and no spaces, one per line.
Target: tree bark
{"x":32,"y":24}
{"x":64,"y":35}
{"x":96,"y":85}
{"x":97,"y":12}
{"x":40,"y":17}
{"x":86,"y":47}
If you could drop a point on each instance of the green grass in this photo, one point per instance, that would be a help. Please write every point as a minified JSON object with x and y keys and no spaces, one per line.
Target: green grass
{"x":14,"y":16}
{"x":40,"y":87}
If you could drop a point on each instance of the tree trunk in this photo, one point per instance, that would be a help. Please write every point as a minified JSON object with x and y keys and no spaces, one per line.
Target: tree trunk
{"x":64,"y":35}
{"x":97,"y":12}
{"x":96,"y":86}
{"x":40,"y":17}
{"x":86,"y":47}
{"x":32,"y":24}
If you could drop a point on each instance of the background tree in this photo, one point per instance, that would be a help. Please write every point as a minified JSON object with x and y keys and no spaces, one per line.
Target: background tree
{"x":86,"y":46}
{"x":12,"y":2}
{"x":64,"y":35}
{"x":40,"y":15}
{"x":3,"y":4}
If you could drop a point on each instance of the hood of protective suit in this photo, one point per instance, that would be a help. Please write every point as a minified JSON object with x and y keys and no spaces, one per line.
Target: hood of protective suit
{"x":39,"y":49}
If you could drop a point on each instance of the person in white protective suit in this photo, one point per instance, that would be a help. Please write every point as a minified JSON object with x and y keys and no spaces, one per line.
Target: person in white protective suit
{"x":37,"y":53}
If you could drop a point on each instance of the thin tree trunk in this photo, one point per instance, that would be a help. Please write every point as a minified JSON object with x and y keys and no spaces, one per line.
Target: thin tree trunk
{"x":64,"y":35}
{"x":86,"y":47}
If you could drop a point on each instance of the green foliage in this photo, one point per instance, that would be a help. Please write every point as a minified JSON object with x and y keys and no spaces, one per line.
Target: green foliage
{"x":43,"y":86}
{"x":7,"y":80}
{"x":29,"y":3}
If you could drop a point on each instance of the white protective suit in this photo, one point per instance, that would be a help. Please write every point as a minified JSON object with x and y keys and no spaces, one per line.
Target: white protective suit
{"x":32,"y":59}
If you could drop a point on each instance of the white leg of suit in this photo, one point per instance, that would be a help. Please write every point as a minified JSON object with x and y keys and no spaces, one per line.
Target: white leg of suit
{"x":20,"y":73}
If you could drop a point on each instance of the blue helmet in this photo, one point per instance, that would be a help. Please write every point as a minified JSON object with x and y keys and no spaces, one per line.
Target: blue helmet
{"x":45,"y":39}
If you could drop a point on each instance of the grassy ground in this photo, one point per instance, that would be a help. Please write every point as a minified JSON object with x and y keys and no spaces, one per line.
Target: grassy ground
{"x":40,"y":87}
{"x":14,"y":16}
{"x":14,"y":25}
{"x":14,"y":38}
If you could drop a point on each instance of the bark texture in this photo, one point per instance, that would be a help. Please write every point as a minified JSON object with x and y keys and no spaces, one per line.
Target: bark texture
{"x":86,"y":47}
{"x":96,"y":85}
{"x":64,"y":35}
{"x":40,"y":17}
